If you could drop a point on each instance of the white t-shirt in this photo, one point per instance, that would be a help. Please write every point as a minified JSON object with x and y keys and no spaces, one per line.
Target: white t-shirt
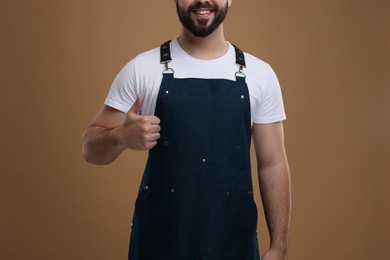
{"x":143,"y":75}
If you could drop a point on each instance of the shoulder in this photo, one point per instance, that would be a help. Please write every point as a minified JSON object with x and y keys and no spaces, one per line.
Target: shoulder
{"x":147,"y":59}
{"x":266,"y":97}
{"x":259,"y":73}
{"x":142,"y":65}
{"x":149,"y":55}
{"x":257,"y":65}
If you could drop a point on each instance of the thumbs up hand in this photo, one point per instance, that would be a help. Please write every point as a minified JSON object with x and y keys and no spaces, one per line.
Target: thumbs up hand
{"x":140,"y":132}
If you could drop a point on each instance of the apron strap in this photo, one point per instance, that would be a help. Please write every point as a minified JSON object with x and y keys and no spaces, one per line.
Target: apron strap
{"x":165,"y":55}
{"x":240,"y":58}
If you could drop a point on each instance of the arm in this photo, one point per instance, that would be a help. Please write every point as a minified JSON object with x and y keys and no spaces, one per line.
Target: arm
{"x":112,"y":131}
{"x":274,"y":181}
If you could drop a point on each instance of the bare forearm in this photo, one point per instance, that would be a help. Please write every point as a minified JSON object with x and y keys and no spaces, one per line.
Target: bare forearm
{"x":276,"y":196}
{"x":100,"y":145}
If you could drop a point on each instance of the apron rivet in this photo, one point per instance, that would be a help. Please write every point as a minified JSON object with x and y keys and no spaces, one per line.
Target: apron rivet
{"x":172,"y":190}
{"x":204,"y":161}
{"x":167,"y":92}
{"x":242,"y":97}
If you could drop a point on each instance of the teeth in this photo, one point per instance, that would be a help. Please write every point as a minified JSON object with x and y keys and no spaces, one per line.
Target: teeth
{"x":203,"y":12}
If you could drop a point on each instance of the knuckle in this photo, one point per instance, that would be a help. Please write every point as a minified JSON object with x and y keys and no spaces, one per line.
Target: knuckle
{"x":152,"y":144}
{"x":144,"y":128}
{"x":143,"y":119}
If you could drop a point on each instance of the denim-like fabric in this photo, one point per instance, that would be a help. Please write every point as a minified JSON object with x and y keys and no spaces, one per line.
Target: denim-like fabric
{"x":196,"y":199}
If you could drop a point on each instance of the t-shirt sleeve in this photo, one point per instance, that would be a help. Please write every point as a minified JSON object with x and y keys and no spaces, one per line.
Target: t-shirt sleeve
{"x":122,"y":93}
{"x":270,"y":108}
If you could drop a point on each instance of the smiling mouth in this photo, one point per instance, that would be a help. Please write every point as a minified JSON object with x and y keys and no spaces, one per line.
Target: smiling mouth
{"x":203,"y":12}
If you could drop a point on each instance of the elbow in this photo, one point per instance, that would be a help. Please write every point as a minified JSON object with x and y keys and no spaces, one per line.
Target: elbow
{"x":87,"y":152}
{"x":86,"y":155}
{"x":89,"y":158}
{"x":93,"y":152}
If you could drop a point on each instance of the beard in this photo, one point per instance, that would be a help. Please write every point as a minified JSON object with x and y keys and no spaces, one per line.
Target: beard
{"x":202,"y":29}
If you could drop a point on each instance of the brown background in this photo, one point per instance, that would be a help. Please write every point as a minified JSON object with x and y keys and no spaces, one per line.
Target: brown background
{"x":58,"y":59}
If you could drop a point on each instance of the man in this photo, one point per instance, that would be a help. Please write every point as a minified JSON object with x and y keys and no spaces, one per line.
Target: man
{"x":194,"y":104}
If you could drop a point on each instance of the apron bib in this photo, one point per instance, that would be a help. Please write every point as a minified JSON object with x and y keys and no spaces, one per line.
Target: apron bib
{"x":196,"y":200}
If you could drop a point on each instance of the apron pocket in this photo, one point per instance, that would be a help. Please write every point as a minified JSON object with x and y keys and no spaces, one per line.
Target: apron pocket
{"x":240,"y":239}
{"x":153,"y":231}
{"x":204,"y":127}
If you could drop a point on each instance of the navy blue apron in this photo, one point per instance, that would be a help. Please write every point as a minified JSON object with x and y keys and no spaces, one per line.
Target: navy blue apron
{"x":196,"y":198}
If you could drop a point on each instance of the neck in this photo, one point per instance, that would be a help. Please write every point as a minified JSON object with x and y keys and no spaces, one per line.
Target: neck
{"x":207,"y":48}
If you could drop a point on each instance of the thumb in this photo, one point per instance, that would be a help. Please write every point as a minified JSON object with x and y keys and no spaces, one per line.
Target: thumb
{"x":135,"y":108}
